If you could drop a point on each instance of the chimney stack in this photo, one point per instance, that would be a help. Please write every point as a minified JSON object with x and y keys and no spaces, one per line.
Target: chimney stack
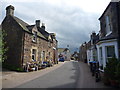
{"x":43,"y":26}
{"x":10,"y":10}
{"x":93,"y":35}
{"x":37,"y":23}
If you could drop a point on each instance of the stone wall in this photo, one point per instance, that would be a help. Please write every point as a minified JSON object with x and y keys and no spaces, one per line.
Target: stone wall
{"x":41,"y":45}
{"x":83,"y":53}
{"x":13,"y":41}
{"x":112,"y":13}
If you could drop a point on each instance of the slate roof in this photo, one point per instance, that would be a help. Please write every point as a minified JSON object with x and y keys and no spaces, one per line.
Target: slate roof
{"x":27,"y":27}
{"x":111,"y":36}
{"x":60,"y":50}
{"x":21,"y":23}
{"x":30,"y":27}
{"x":66,"y":49}
{"x":43,"y":32}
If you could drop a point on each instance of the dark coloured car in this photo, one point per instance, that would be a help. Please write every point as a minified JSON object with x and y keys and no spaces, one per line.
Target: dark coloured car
{"x":72,"y":58}
{"x":61,"y":59}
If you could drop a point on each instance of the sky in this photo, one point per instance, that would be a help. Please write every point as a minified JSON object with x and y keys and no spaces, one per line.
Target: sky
{"x":72,"y":20}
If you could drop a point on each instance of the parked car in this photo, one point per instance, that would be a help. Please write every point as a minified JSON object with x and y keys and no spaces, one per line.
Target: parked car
{"x":72,"y":58}
{"x":61,"y":59}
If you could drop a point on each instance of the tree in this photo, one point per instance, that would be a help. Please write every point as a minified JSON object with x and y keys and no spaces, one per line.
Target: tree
{"x":3,"y":49}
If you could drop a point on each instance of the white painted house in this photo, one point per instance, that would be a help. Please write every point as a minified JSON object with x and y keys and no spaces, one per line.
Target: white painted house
{"x":107,"y":47}
{"x":91,"y":48}
{"x":65,"y":52}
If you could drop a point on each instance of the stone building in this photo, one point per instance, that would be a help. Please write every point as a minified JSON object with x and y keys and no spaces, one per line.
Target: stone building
{"x":83,"y":52}
{"x":27,"y":43}
{"x":65,"y":52}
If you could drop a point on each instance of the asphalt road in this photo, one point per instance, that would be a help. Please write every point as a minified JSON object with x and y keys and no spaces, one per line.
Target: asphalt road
{"x":71,"y":74}
{"x":65,"y":76}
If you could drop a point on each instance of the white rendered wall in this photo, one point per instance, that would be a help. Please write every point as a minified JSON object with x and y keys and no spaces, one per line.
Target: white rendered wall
{"x":103,"y":45}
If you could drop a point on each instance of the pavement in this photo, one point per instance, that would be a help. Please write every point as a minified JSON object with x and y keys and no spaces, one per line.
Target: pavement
{"x":12,"y":79}
{"x":86,"y":80}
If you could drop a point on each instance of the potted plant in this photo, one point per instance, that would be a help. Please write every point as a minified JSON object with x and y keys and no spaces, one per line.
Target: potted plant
{"x":118,"y":74}
{"x":110,"y":71}
{"x":106,"y":77}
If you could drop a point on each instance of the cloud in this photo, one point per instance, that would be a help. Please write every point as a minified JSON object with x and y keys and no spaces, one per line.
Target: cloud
{"x":72,"y":21}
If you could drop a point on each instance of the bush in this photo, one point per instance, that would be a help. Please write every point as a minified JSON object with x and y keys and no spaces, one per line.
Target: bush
{"x":11,"y":67}
{"x":112,"y":72}
{"x":110,"y":68}
{"x":3,"y":49}
{"x":118,"y":72}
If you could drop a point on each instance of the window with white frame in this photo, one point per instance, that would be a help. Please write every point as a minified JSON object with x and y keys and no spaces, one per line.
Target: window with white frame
{"x":34,"y":54}
{"x":108,"y":26}
{"x":101,"y":57}
{"x":49,"y":44}
{"x":110,"y":52}
{"x":94,"y":55}
{"x":49,"y":54}
{"x":43,"y":56}
{"x":34,"y":37}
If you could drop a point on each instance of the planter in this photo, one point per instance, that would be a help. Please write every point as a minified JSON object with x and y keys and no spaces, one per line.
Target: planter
{"x":106,"y":82}
{"x":114,"y":83}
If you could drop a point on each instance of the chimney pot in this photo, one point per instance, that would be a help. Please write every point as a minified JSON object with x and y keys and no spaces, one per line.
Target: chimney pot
{"x":37,"y":23}
{"x":43,"y":26}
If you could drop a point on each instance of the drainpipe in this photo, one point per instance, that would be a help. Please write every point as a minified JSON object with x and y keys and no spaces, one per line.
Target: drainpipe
{"x":22,"y":51}
{"x":118,"y":15}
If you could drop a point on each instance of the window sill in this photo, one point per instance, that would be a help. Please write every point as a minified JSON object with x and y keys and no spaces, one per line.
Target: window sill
{"x":108,"y":33}
{"x":101,"y":70}
{"x":34,"y":41}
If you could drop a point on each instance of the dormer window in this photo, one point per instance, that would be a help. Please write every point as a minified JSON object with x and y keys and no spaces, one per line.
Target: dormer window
{"x":34,"y":37}
{"x":108,"y":25}
{"x":49,"y":44}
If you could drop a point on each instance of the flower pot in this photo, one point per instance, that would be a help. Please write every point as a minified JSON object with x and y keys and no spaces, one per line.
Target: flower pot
{"x":114,"y":83}
{"x":106,"y":81}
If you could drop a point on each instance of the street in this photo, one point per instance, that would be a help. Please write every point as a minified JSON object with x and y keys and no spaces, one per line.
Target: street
{"x":63,"y":77}
{"x":70,"y":75}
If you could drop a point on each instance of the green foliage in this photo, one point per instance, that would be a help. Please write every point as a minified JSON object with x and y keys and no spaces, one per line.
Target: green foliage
{"x":118,"y":71}
{"x":3,"y":49}
{"x":13,"y":68}
{"x":110,"y":68}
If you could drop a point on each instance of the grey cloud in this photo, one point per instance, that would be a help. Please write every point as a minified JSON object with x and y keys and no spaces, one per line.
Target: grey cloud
{"x":71,"y":24}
